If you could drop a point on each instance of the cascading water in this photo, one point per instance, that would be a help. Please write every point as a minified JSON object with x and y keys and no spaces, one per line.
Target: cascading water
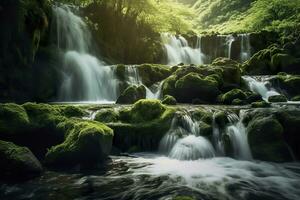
{"x":184,"y":142}
{"x":178,"y":50}
{"x":259,"y":85}
{"x":238,"y":137}
{"x":245,"y":47}
{"x":133,"y":78}
{"x":229,"y":40}
{"x":85,"y":77}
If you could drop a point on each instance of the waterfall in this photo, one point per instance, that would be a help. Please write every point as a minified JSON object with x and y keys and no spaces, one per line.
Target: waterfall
{"x":229,"y":40}
{"x":85,"y":78}
{"x":238,"y":137}
{"x":260,"y":85}
{"x":133,"y":78}
{"x":183,"y":140}
{"x":245,"y":47}
{"x":178,"y":50}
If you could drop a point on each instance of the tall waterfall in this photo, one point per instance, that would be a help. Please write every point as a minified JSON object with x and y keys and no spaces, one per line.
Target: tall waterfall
{"x":184,"y":141}
{"x":85,"y":78}
{"x":260,"y":85}
{"x":179,"y":51}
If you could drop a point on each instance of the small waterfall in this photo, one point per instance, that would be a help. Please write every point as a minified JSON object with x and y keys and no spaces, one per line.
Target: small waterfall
{"x":85,"y":77}
{"x":183,"y":140}
{"x":133,"y":78}
{"x":178,"y":50}
{"x":260,"y":85}
{"x":238,"y":136}
{"x":245,"y":47}
{"x":229,"y":40}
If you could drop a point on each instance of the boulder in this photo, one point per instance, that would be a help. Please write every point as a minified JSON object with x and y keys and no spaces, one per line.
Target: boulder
{"x":169,"y":100}
{"x":132,"y":94}
{"x":87,"y":143}
{"x":17,"y":163}
{"x":277,"y":98}
{"x":193,"y":86}
{"x":266,"y":140}
{"x":228,"y":97}
{"x":107,"y":115}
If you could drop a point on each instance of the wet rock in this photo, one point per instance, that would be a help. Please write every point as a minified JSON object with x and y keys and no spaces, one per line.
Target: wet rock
{"x":277,"y":98}
{"x":132,"y":94}
{"x":169,"y":100}
{"x":18,"y":163}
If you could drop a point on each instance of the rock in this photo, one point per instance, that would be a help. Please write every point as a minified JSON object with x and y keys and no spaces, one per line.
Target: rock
{"x":152,"y":73}
{"x":169,"y":100}
{"x":17,"y":163}
{"x":206,"y":130}
{"x":193,"y":86}
{"x":253,"y":97}
{"x":168,"y":87}
{"x":142,"y":126}
{"x":296,"y":98}
{"x":107,"y":116}
{"x":221,"y":118}
{"x":284,"y":62}
{"x":132,"y":94}
{"x":120,"y":72}
{"x":87,"y":143}
{"x":260,"y":104}
{"x":266,"y":140}
{"x":73,"y":111}
{"x":277,"y":98}
{"x":228,"y":97}
{"x":13,"y":119}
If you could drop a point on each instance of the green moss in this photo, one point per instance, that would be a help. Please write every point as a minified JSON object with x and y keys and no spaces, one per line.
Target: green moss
{"x":168,"y":87}
{"x":146,"y":110}
{"x":228,"y":97}
{"x":266,"y":140}
{"x":169,"y":100}
{"x":260,"y":104}
{"x":193,"y":86}
{"x":277,"y":98}
{"x":183,"y":198}
{"x":86,"y":143}
{"x":132,"y":94}
{"x":152,"y":73}
{"x":73,"y":111}
{"x":17,"y":162}
{"x":120,"y":72}
{"x":296,"y":98}
{"x":107,"y":115}
{"x":221,"y":118}
{"x":13,"y":118}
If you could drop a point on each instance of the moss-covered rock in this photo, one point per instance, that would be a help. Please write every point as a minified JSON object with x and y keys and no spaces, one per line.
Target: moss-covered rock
{"x":87,"y":143}
{"x":277,"y":98}
{"x":193,"y":86}
{"x":169,"y":100}
{"x":266,"y":140}
{"x":13,"y":118}
{"x":132,"y":94}
{"x":228,"y":97}
{"x":183,"y":198}
{"x":168,"y":87}
{"x":296,"y":98}
{"x":17,"y":162}
{"x":142,"y":126}
{"x":260,"y":104}
{"x":120,"y":72}
{"x":107,"y":115}
{"x":152,"y":73}
{"x":206,"y":130}
{"x":73,"y":111}
{"x":284,"y":62}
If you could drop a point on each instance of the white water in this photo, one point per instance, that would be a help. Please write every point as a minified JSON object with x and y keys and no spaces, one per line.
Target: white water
{"x":133,"y":78}
{"x":184,"y":141}
{"x":179,"y":51}
{"x":239,"y":138}
{"x":259,"y":85}
{"x":229,"y":40}
{"x":85,"y":78}
{"x":245,"y":47}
